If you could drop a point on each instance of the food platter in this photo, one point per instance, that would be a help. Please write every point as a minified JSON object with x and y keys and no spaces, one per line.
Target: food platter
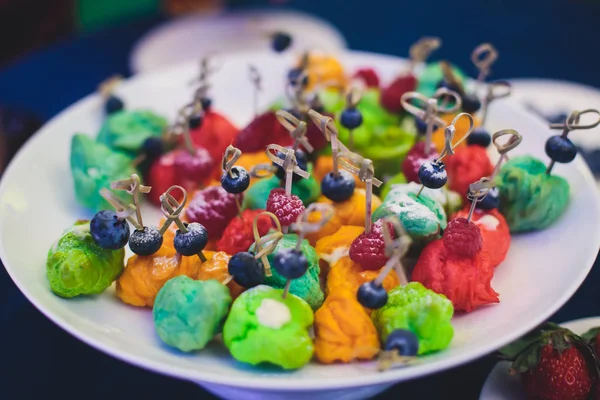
{"x":37,"y":202}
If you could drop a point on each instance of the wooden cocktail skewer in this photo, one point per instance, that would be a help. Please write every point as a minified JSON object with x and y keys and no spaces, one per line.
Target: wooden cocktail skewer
{"x":327,"y":126}
{"x":420,"y":51}
{"x":296,"y":128}
{"x":231,"y":156}
{"x":495,"y":90}
{"x":430,"y":113}
{"x":256,"y":80}
{"x":265,"y":245}
{"x":514,"y":140}
{"x":483,"y":56}
{"x":477,"y":192}
{"x":134,"y":187}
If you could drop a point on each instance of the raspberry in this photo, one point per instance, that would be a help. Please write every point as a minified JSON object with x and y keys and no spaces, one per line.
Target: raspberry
{"x":262,"y":131}
{"x":414,"y":159}
{"x":369,"y":77}
{"x":196,"y":167}
{"x":213,"y":207}
{"x":286,"y":208}
{"x":390,"y":96}
{"x":462,"y":237}
{"x":368,"y":250}
{"x":238,"y":235}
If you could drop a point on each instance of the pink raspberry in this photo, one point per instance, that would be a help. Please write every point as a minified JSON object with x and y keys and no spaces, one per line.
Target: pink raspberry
{"x":214,"y":208}
{"x":414,"y":159}
{"x":462,"y":237}
{"x":369,"y":77}
{"x":286,"y":208}
{"x":368,"y":250}
{"x":194,"y":167}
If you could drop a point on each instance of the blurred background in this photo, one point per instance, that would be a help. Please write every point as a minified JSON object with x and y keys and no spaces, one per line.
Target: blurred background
{"x":54,"y":52}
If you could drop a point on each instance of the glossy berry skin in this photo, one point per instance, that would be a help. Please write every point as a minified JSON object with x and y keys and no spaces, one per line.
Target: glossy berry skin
{"x":415,"y":158}
{"x":490,"y":201}
{"x":561,"y":149}
{"x":470,"y":103}
{"x":281,"y":42}
{"x":195,"y":167}
{"x":152,"y":147}
{"x":290,"y":263}
{"x":195,"y":121}
{"x":113,"y":104}
{"x":145,"y":242}
{"x":371,"y":295}
{"x":108,"y":230}
{"x":462,"y":237}
{"x":293,"y":76}
{"x":237,"y":181}
{"x":433,"y":174}
{"x":206,"y":103}
{"x":246,"y":270}
{"x":302,"y":161}
{"x":351,"y":118}
{"x":338,"y":188}
{"x":479,"y":137}
{"x":402,"y":341}
{"x":193,"y":241}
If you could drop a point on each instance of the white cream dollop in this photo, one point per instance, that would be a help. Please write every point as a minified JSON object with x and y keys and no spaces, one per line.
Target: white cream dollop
{"x":273,"y":314}
{"x":489,"y":221}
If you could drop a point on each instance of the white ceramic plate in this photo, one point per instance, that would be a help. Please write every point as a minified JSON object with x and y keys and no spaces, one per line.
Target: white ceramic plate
{"x":37,"y":203}
{"x":500,"y":385}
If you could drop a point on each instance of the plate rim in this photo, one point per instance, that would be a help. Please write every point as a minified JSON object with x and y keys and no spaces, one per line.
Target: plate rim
{"x":290,"y":383}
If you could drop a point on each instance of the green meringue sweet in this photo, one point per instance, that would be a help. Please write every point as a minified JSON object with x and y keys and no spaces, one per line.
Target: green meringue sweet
{"x":188,"y":313}
{"x":93,"y":167}
{"x":422,"y":311}
{"x":422,"y":217}
{"x":126,"y":130}
{"x":255,"y":198}
{"x":76,"y":265}
{"x":432,"y":75}
{"x":450,"y":201}
{"x":263,"y":327}
{"x":308,"y":286}
{"x":530,"y":199}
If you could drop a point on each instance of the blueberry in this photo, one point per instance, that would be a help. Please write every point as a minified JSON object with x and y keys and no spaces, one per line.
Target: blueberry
{"x":281,"y":42}
{"x":108,"y":230}
{"x":422,"y":126}
{"x":479,"y":137}
{"x":557,"y":118}
{"x":153,"y":147}
{"x":372,"y":295}
{"x":470,"y":103}
{"x":294,"y":74}
{"x":300,"y":159}
{"x":246,"y":270}
{"x":146,"y":241}
{"x":235,"y":181}
{"x":561,"y":149}
{"x":490,"y":201}
{"x":290,"y":263}
{"x":433,"y":174}
{"x":195,"y":121}
{"x":351,"y":118}
{"x":113,"y":104}
{"x":338,"y":188}
{"x":193,"y":241}
{"x":403,"y":341}
{"x":206,"y":103}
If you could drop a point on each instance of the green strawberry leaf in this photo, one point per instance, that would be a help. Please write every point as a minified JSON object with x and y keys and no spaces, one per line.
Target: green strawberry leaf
{"x":512,"y":350}
{"x":590,"y":335}
{"x":527,"y":359}
{"x":559,"y":341}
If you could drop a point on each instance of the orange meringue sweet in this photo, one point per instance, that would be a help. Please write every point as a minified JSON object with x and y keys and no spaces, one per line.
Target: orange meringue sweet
{"x":350,"y":275}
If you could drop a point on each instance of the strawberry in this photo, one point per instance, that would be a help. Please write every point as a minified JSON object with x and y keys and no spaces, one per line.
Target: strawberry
{"x":262,"y":131}
{"x":390,"y":96}
{"x":554,"y":364}
{"x":215,"y":134}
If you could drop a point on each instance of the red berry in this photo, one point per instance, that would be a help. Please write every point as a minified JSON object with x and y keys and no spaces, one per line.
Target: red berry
{"x":467,"y":165}
{"x":462,"y":237}
{"x":238,"y":235}
{"x":315,"y":136}
{"x":215,"y":134}
{"x":368,"y":250}
{"x":214,"y":208}
{"x":369,"y":77}
{"x":161,"y":176}
{"x":262,"y":131}
{"x":415,"y":158}
{"x":195,"y":167}
{"x":559,"y":376}
{"x":286,"y":208}
{"x":390,"y":96}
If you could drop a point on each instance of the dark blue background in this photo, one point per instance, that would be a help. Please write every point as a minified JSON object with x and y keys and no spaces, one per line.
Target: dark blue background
{"x":553,"y":39}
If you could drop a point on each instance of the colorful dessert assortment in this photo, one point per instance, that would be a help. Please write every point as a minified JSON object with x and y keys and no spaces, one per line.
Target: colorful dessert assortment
{"x":295,"y":236}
